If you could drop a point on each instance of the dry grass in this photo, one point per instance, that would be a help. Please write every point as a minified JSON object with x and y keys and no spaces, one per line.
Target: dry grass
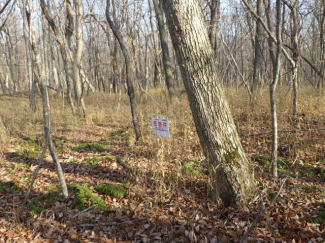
{"x":165,"y":156}
{"x":159,"y":162}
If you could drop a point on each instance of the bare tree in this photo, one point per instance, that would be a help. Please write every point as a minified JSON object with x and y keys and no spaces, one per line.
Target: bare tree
{"x":276,"y":74}
{"x":164,"y":48}
{"x":129,"y":71}
{"x":257,"y":50}
{"x":39,"y":75}
{"x":214,"y":6}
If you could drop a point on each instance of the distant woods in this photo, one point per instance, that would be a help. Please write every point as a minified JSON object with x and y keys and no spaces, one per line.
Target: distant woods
{"x":80,"y":53}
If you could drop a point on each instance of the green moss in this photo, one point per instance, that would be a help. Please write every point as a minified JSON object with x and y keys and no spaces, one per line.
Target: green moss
{"x":93,"y":147}
{"x":115,"y":190}
{"x":320,"y":217}
{"x":38,"y":204}
{"x":83,"y":196}
{"x":52,"y":187}
{"x":110,"y":157}
{"x":60,"y":150}
{"x":8,"y":187}
{"x":119,"y":132}
{"x":26,"y":178}
{"x":93,"y":161}
{"x":81,"y":147}
{"x":27,"y":153}
{"x":191,"y":169}
{"x":35,"y":211}
{"x":306,"y":173}
{"x":15,"y":166}
{"x":232,"y":157}
{"x":265,"y":161}
{"x":59,"y":142}
{"x":271,"y":194}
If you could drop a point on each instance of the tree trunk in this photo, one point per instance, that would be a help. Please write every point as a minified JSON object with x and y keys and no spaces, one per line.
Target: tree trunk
{"x":164,"y":48}
{"x":257,"y":50}
{"x":232,"y":175}
{"x":214,"y":17}
{"x":276,"y":74}
{"x":39,"y":76}
{"x":129,"y":72}
{"x":295,"y":53}
{"x":77,"y":58}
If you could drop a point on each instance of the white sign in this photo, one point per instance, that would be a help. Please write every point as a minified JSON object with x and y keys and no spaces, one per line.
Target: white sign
{"x":160,"y":127}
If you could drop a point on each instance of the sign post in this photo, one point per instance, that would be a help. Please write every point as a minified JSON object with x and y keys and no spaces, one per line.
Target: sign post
{"x":160,"y":127}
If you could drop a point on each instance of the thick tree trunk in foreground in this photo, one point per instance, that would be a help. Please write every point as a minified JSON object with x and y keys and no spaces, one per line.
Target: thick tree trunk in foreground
{"x":232,"y":175}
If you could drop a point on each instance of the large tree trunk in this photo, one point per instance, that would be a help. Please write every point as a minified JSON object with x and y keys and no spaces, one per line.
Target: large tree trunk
{"x":164,"y":48}
{"x":232,"y":175}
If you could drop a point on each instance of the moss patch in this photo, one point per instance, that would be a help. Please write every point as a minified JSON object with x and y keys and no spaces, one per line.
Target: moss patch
{"x":115,"y":190}
{"x":38,"y":204}
{"x":8,"y":187}
{"x":93,"y":147}
{"x":84,"y":196}
{"x":192,"y":169}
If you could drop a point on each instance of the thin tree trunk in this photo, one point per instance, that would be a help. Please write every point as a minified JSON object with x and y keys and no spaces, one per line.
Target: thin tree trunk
{"x":295,"y":54}
{"x":39,"y":75}
{"x":276,"y":74}
{"x":76,"y":65}
{"x":164,"y":48}
{"x":257,"y":50}
{"x":129,"y":72}
{"x":213,"y":27}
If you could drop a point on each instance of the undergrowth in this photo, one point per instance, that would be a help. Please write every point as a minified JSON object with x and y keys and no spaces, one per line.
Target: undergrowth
{"x":115,"y":190}
{"x":93,"y":147}
{"x":83,"y":196}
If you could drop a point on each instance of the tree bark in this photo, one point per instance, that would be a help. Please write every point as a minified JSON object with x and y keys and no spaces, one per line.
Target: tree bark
{"x":77,"y":57}
{"x":164,"y":48}
{"x":276,"y":74}
{"x":39,"y":76}
{"x":213,"y":27}
{"x":257,"y":50}
{"x":129,"y":72}
{"x":232,"y":175}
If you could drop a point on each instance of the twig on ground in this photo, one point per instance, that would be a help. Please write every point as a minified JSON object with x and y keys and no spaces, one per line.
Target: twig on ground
{"x":113,"y":223}
{"x":121,"y":163}
{"x":83,"y":211}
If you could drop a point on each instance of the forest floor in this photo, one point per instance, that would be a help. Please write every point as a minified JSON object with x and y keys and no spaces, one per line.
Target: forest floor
{"x":163,"y":195}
